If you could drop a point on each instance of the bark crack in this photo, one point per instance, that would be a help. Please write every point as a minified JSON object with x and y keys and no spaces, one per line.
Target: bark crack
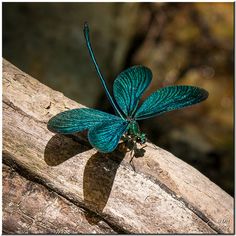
{"x":36,"y":179}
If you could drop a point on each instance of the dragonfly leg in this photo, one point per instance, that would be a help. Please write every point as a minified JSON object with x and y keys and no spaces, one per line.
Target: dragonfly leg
{"x":131,"y":159}
{"x":129,"y":144}
{"x":144,"y":146}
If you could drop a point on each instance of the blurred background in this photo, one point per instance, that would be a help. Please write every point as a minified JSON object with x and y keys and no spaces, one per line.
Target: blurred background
{"x":182,"y":43}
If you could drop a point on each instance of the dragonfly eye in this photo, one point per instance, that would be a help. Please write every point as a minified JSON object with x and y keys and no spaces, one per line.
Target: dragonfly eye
{"x":141,"y":139}
{"x":138,"y":139}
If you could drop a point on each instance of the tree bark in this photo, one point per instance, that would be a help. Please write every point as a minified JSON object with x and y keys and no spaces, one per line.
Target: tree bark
{"x":32,"y":208}
{"x":163,"y":194}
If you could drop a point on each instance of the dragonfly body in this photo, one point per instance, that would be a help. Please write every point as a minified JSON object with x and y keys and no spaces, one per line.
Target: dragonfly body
{"x":105,"y":130}
{"x":135,"y":133}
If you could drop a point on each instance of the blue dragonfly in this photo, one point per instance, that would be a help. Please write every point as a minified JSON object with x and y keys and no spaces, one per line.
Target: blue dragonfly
{"x":105,"y":130}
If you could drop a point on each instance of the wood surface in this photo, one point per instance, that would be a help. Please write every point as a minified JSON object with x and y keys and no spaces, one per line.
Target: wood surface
{"x":69,"y":179}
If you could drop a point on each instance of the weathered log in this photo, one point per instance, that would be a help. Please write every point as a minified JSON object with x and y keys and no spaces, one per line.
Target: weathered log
{"x":32,"y":208}
{"x":163,"y":195}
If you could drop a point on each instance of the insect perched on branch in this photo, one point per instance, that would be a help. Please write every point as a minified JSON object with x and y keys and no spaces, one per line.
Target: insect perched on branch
{"x":105,"y":130}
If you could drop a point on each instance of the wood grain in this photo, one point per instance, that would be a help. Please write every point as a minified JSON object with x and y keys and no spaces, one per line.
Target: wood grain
{"x":34,"y":209}
{"x":163,"y":195}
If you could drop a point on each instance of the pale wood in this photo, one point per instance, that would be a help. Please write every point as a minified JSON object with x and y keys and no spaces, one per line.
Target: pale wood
{"x":30,"y":208}
{"x":164,"y":195}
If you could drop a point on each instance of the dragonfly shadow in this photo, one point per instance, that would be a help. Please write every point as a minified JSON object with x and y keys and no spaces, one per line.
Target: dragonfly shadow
{"x":99,"y":175}
{"x":62,"y":147}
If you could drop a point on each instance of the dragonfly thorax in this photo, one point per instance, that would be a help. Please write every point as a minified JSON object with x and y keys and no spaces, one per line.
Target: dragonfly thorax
{"x":135,"y":132}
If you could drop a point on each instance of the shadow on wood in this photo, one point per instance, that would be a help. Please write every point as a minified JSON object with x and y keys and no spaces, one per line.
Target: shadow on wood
{"x":60,"y":148}
{"x":99,"y":172}
{"x":164,"y":195}
{"x":99,"y":175}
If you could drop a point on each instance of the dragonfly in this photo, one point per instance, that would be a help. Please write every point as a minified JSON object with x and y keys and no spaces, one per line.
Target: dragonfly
{"x":106,"y":130}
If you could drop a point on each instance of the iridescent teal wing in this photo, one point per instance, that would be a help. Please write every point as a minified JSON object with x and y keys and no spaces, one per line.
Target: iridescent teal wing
{"x":105,"y":137}
{"x":77,"y":120}
{"x":170,"y":98}
{"x":129,"y":87}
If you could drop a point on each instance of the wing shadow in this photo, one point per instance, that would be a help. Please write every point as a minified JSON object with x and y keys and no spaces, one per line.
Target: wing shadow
{"x":99,"y":172}
{"x":62,"y":147}
{"x":99,"y":175}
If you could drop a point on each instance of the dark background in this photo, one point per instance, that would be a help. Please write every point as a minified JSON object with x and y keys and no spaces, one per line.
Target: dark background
{"x":182,"y":43}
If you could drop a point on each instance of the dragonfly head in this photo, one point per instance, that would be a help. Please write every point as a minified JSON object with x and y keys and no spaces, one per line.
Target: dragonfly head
{"x":141,"y":138}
